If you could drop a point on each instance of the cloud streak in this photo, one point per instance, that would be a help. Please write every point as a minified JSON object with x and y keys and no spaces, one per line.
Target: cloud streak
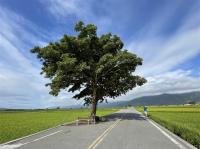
{"x":21,"y":85}
{"x":161,"y":55}
{"x":178,"y":81}
{"x":79,"y":10}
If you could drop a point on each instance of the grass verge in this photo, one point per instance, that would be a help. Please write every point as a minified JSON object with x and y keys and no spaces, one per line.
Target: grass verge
{"x":184,"y":121}
{"x":16,"y":124}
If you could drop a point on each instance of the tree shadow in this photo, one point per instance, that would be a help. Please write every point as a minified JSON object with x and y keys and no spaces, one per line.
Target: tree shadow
{"x":124,"y":116}
{"x":114,"y":117}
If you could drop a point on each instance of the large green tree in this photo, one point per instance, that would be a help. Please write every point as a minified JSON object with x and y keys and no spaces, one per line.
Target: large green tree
{"x":96,"y":66}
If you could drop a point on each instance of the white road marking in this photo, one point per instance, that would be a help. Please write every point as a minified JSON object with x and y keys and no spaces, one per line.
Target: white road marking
{"x":101,"y":139}
{"x":13,"y":146}
{"x":43,"y":137}
{"x":103,"y":135}
{"x":168,"y":136}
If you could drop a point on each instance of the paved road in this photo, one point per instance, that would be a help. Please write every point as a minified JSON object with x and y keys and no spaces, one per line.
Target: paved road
{"x":126,"y":129}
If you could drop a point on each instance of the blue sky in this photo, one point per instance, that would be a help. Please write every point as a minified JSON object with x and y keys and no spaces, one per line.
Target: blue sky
{"x":165,"y":33}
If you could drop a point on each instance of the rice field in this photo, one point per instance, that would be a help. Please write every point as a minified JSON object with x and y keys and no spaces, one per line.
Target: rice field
{"x":181,"y":120}
{"x":15,"y":124}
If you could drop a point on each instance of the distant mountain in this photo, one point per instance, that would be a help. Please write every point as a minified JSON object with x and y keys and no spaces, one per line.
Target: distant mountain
{"x":166,"y":99}
{"x":162,"y":99}
{"x":2,"y":109}
{"x":113,"y":104}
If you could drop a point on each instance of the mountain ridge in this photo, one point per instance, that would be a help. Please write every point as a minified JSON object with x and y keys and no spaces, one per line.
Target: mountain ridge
{"x":161,"y":99}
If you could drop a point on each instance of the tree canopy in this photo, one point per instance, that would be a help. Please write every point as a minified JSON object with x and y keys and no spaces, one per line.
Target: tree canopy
{"x":96,"y":66}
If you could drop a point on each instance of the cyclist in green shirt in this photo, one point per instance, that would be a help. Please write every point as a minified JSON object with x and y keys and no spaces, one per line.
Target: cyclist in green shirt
{"x":146,"y":110}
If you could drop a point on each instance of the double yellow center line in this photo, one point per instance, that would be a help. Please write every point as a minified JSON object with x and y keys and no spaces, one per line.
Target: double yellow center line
{"x":103,"y":135}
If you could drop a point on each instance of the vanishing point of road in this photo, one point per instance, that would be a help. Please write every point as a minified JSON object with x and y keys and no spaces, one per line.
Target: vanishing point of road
{"x":125,"y":129}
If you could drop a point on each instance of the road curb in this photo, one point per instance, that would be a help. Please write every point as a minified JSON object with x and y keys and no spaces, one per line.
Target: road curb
{"x":169,"y":132}
{"x":174,"y":135}
{"x":18,"y":139}
{"x":24,"y":137}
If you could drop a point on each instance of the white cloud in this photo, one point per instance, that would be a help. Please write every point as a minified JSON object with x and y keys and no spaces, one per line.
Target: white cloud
{"x":68,"y":7}
{"x":78,"y":9}
{"x":21,"y":85}
{"x":170,"y":82}
{"x":161,"y":52}
{"x":161,"y":55}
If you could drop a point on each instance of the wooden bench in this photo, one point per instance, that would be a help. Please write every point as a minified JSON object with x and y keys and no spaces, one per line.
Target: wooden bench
{"x":87,"y":120}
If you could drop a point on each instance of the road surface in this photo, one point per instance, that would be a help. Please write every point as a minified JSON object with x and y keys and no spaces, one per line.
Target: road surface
{"x":126,"y":129}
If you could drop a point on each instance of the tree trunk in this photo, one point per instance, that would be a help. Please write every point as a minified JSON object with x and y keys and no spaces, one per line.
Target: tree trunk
{"x":94,"y":109}
{"x":94,"y":103}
